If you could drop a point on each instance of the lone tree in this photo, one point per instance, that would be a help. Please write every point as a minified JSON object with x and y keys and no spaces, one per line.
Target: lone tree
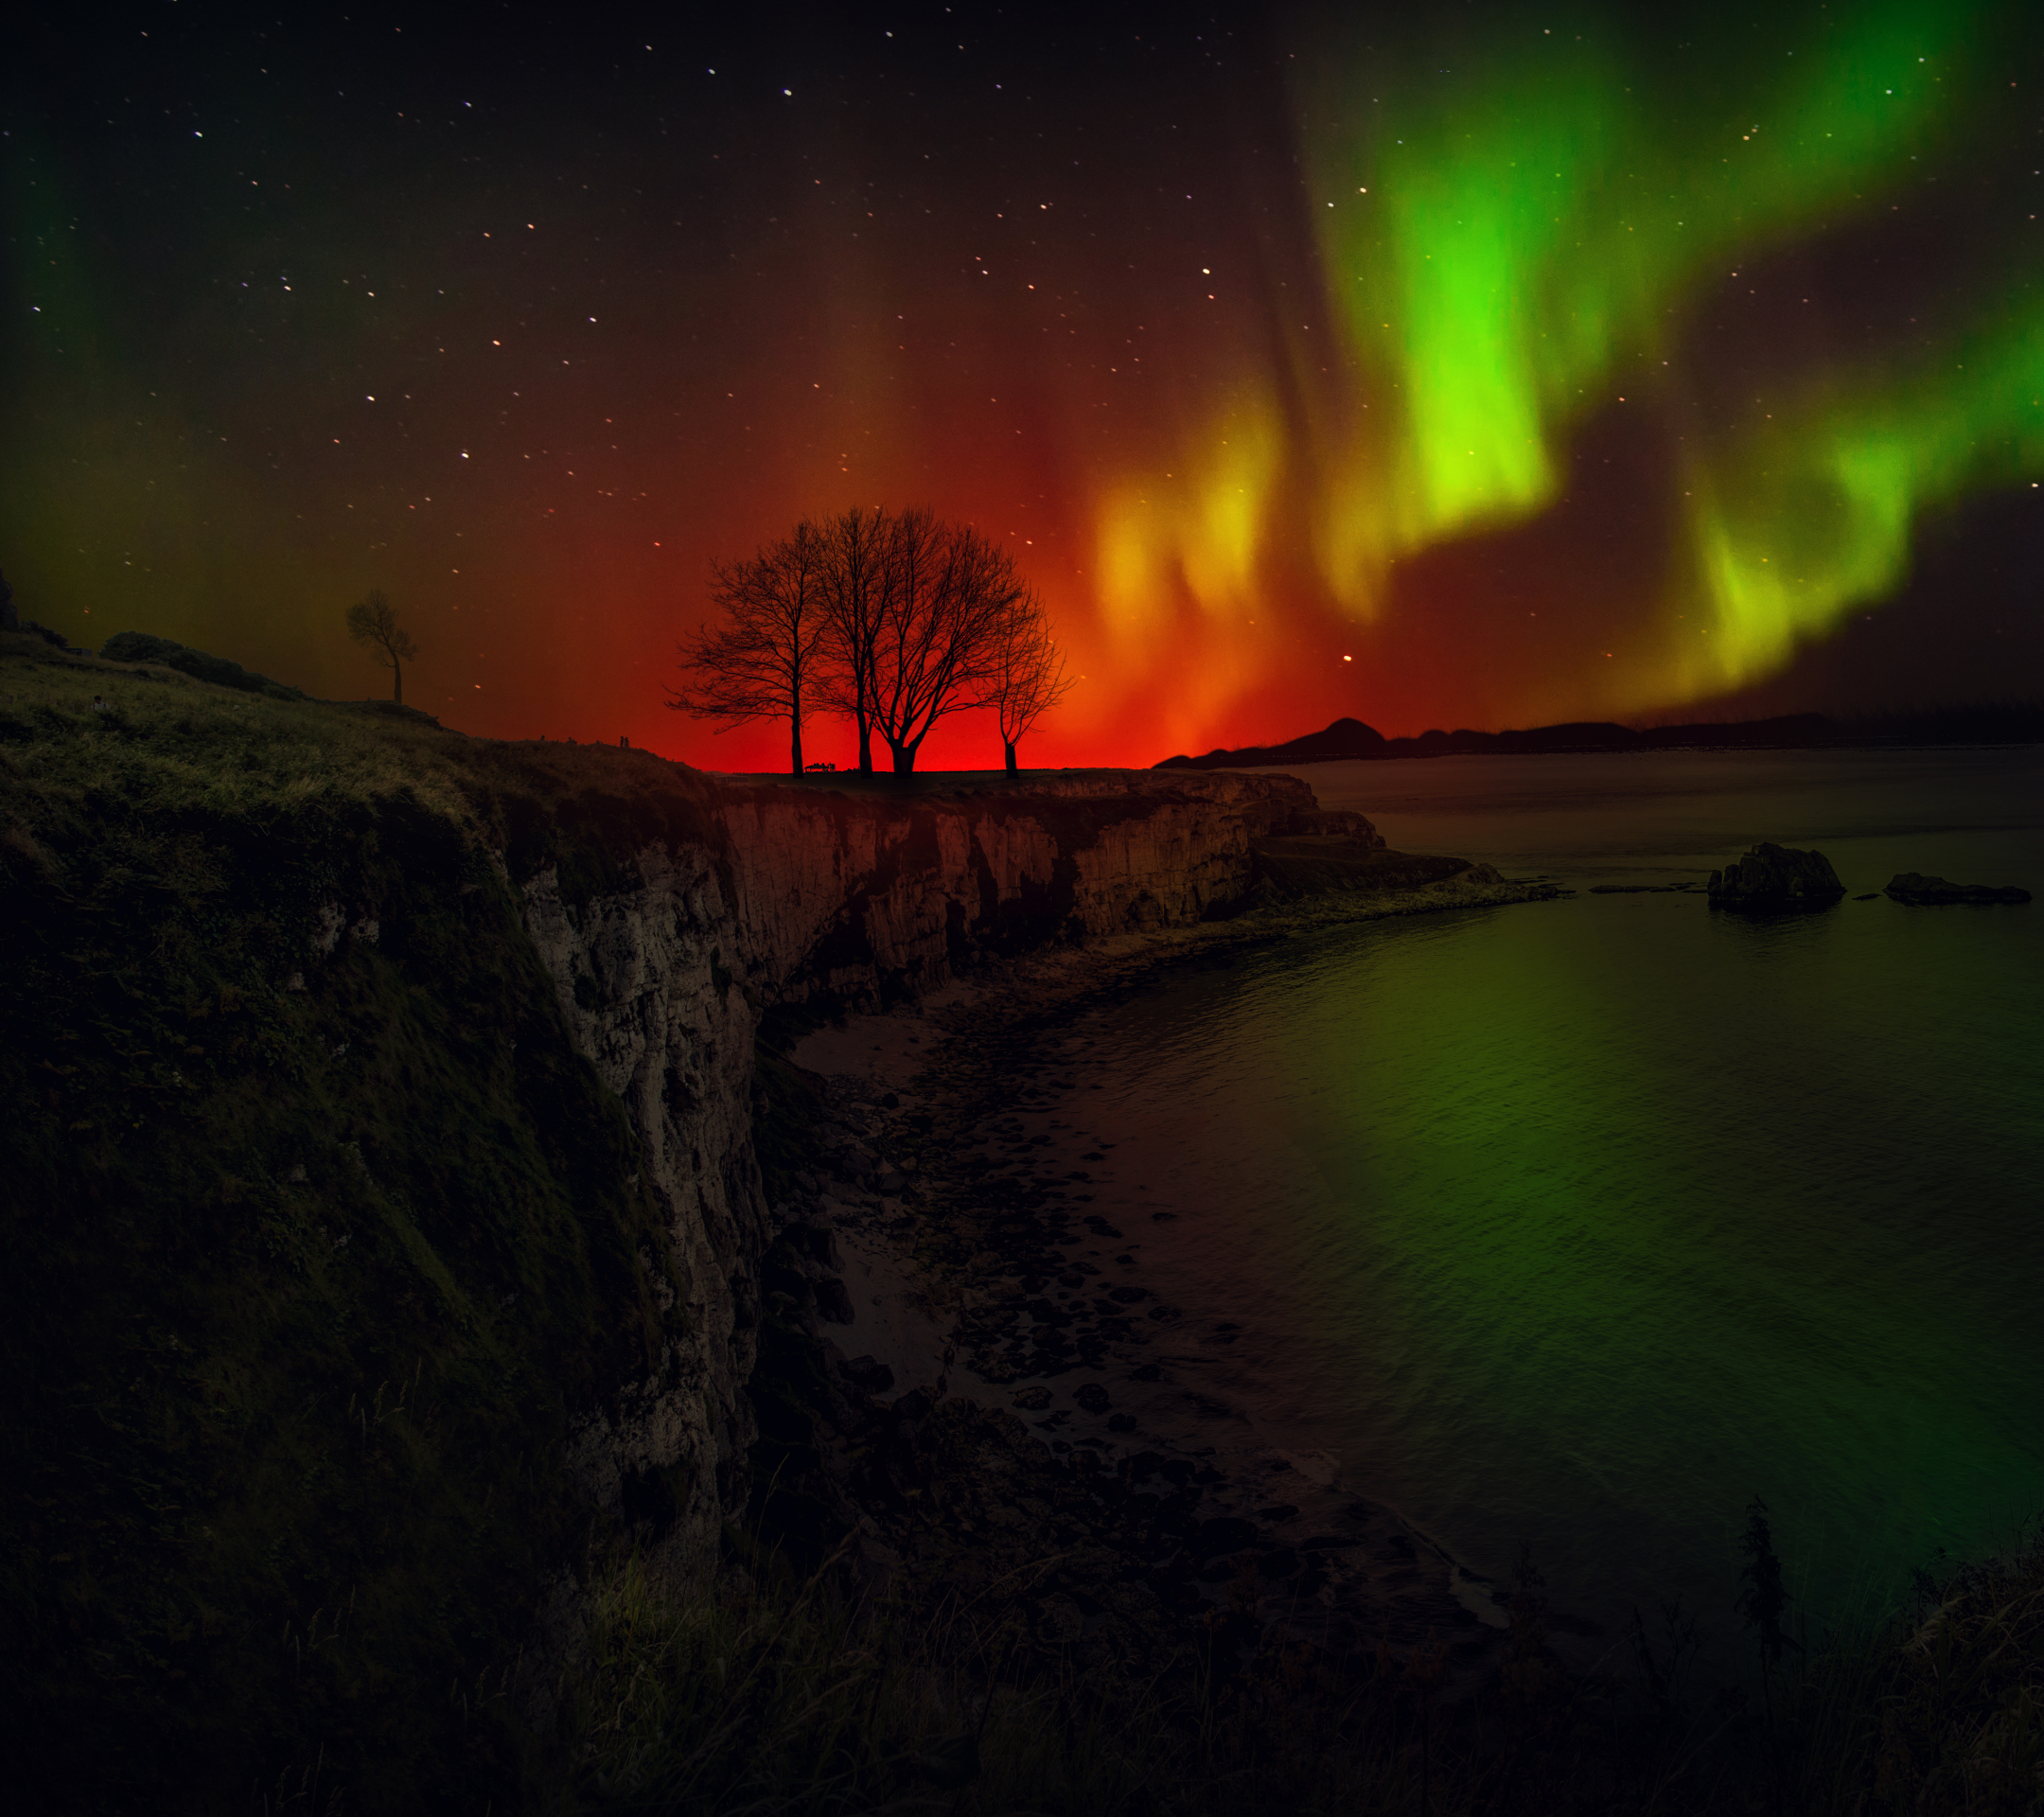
{"x":1029,"y":676}
{"x":373,"y":620}
{"x":950,"y":596}
{"x":764,"y":662}
{"x":859,"y":591}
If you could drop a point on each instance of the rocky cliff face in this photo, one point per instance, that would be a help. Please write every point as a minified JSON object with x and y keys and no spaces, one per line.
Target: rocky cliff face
{"x":871,"y":897}
{"x":787,"y":893}
{"x":649,"y":1003}
{"x":379,"y":1187}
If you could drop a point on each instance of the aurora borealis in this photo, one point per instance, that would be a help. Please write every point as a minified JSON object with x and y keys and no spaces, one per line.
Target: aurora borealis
{"x":1511,"y":366}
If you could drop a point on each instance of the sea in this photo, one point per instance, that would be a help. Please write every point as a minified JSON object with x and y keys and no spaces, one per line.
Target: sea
{"x":1578,"y":1226}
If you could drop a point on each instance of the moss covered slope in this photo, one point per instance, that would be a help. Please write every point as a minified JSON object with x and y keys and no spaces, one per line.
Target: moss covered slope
{"x":318,"y":1233}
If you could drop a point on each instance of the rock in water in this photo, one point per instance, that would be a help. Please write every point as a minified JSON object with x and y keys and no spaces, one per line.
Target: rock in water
{"x":1931,"y":892}
{"x":1774,"y":876}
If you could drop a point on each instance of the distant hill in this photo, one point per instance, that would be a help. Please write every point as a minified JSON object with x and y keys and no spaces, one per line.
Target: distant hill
{"x":1346,"y":740}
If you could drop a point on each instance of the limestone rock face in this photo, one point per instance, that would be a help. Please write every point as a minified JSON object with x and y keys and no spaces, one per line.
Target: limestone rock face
{"x":1774,"y":878}
{"x":1912,"y":887}
{"x":872,"y":899}
{"x":785,"y":893}
{"x":644,"y":986}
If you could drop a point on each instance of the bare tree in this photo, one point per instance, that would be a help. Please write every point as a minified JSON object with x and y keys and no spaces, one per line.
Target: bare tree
{"x":373,"y":620}
{"x":1029,"y":676}
{"x":763,"y":662}
{"x":861,"y":593}
{"x":949,"y":592}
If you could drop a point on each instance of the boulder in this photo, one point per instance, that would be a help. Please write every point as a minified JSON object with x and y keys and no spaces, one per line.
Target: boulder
{"x":1920,"y":891}
{"x":834,"y":1301}
{"x":869,"y":1373}
{"x":1776,"y":876}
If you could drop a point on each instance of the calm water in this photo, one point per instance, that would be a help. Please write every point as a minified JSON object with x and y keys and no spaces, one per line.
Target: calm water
{"x":1586,"y":1221}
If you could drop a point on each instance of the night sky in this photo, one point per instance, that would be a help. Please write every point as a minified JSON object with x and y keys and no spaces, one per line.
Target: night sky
{"x":1505,"y":366}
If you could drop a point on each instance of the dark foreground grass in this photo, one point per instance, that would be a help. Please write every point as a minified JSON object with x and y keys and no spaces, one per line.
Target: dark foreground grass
{"x":317,"y":1234}
{"x":769,"y":1694}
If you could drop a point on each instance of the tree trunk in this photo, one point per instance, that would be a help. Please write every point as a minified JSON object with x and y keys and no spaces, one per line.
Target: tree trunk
{"x":396,"y":683}
{"x":865,"y":744}
{"x":795,"y":740}
{"x":905,"y":756}
{"x":1009,"y":743}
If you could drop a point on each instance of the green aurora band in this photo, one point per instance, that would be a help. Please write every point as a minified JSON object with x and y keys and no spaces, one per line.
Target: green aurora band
{"x":1503,"y":248}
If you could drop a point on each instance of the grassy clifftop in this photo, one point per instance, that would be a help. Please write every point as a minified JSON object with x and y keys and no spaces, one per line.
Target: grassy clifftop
{"x":311,"y":1254}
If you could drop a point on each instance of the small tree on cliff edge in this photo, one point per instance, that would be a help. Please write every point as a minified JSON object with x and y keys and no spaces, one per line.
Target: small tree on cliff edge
{"x":951,"y":595}
{"x":858,"y":585}
{"x":373,"y":620}
{"x":763,"y":662}
{"x":1029,"y":676}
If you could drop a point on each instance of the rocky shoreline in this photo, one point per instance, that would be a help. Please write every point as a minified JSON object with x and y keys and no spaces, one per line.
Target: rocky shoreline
{"x":1004,"y":1409}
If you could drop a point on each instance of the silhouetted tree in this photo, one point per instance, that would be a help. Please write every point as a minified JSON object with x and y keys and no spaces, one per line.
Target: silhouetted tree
{"x":9,"y":620}
{"x":373,"y":620}
{"x":764,"y":662}
{"x":950,"y":595}
{"x":858,"y":583}
{"x":892,"y":619}
{"x":1028,"y":676}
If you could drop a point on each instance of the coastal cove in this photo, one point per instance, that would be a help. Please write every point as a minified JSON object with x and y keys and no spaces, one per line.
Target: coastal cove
{"x":1582,"y":1224}
{"x":451,"y":1178}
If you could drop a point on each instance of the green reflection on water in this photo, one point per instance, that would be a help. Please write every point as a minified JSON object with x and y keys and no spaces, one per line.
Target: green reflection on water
{"x":1632,"y":1210}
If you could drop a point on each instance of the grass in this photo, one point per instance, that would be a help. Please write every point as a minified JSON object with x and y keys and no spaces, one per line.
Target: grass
{"x":769,"y":1694}
{"x":312,"y":1254}
{"x":1945,"y":1713}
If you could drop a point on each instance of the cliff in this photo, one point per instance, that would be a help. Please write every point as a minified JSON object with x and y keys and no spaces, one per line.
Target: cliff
{"x":380,"y":1190}
{"x":792,"y":891}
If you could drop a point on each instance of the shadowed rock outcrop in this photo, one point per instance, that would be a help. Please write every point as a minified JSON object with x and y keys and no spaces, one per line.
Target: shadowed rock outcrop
{"x":1920,"y":891}
{"x":1774,"y":878}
